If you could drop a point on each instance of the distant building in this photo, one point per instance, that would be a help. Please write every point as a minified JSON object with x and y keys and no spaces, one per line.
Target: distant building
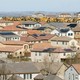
{"x":29,"y":24}
{"x":64,"y":15}
{"x":38,"y":15}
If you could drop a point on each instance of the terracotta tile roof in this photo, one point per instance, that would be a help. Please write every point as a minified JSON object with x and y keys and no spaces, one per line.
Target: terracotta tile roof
{"x":9,"y":49}
{"x":46,"y":37}
{"x":44,"y":45}
{"x":37,"y":38}
{"x":42,"y":23}
{"x":61,"y":38}
{"x":33,"y":32}
{"x":12,"y":27}
{"x":77,"y":67}
{"x":13,"y":42}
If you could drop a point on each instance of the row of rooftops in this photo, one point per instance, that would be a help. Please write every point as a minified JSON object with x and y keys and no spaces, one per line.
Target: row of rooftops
{"x":52,"y":50}
{"x":15,"y":26}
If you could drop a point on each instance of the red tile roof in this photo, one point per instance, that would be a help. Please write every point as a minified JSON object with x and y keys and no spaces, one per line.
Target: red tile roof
{"x":77,"y":67}
{"x":42,"y":45}
{"x":11,"y":28}
{"x":9,"y":49}
{"x":38,"y":38}
{"x":13,"y":42}
{"x":30,"y":32}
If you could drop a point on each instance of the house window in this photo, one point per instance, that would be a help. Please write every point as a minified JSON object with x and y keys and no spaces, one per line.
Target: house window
{"x":66,"y":43}
{"x":71,"y":34}
{"x":76,"y":77}
{"x":57,"y":42}
{"x":69,"y":76}
{"x":35,"y":54}
{"x":15,"y":38}
{"x":16,"y":53}
{"x":63,"y":43}
{"x":39,"y":54}
{"x":73,"y":76}
{"x":64,"y":54}
{"x":30,"y":76}
{"x":20,"y":53}
{"x":49,"y":54}
{"x":68,"y":34}
{"x":24,"y":76}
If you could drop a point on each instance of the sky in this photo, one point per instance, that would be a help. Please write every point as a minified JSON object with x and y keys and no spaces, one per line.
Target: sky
{"x":40,"y":5}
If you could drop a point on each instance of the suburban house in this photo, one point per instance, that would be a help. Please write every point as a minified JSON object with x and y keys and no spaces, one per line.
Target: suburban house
{"x":9,"y":36}
{"x":29,"y":24}
{"x":54,"y":68}
{"x":25,"y":70}
{"x":77,"y":33}
{"x":14,"y":49}
{"x":73,"y":72}
{"x":38,"y":38}
{"x":64,"y":41}
{"x":15,"y":29}
{"x":63,"y":32}
{"x":6,"y":23}
{"x":51,"y":53}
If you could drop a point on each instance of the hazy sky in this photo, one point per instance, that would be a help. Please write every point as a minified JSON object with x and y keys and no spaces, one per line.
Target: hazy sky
{"x":40,"y":5}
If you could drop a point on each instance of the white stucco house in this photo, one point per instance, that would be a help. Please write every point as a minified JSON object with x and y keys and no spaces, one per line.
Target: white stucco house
{"x":63,"y":32}
{"x":9,"y":36}
{"x":73,"y":72}
{"x":64,"y":41}
{"x":29,"y":24}
{"x":51,"y":54}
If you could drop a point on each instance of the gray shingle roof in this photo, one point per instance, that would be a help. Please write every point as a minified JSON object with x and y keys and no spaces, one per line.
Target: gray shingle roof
{"x":49,"y":77}
{"x":19,"y":68}
{"x":54,"y":67}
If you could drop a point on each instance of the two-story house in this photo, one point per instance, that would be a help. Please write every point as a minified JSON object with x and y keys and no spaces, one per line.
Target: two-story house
{"x":73,"y":72}
{"x":77,"y":33}
{"x":52,"y":53}
{"x":15,"y":29}
{"x":9,"y":36}
{"x":64,"y":41}
{"x":14,"y":49}
{"x":63,"y":32}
